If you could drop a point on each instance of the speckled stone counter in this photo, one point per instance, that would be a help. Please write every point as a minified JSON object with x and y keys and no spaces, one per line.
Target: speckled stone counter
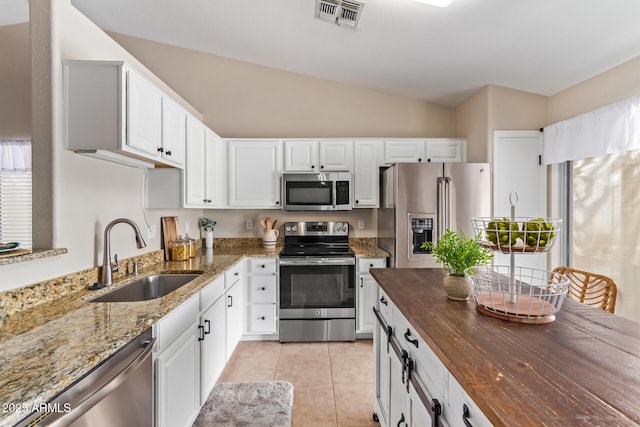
{"x":47,"y":347}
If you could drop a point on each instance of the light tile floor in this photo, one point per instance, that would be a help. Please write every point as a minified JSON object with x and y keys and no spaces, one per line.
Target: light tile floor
{"x":332,"y":382}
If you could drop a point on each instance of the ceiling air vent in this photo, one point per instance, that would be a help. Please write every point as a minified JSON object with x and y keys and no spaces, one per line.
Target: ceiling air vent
{"x":345,"y":13}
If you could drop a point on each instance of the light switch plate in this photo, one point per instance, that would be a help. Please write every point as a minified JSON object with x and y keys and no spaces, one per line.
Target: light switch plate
{"x":361,"y":224}
{"x":249,"y":224}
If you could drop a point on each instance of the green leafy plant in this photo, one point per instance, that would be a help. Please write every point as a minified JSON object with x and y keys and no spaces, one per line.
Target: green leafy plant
{"x":207,"y":224}
{"x":457,"y":252}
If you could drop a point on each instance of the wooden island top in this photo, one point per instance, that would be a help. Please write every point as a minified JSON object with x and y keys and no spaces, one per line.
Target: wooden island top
{"x":583,"y":369}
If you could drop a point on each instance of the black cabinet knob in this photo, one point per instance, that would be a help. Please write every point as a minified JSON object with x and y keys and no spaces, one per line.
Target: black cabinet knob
{"x":313,"y":166}
{"x":160,"y":149}
{"x":168,"y":153}
{"x":419,"y":159}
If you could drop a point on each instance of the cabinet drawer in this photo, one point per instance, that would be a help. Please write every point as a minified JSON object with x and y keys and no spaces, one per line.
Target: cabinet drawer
{"x":170,"y":326}
{"x":262,"y":318}
{"x":364,"y":264}
{"x":232,"y":275}
{"x":262,"y":289}
{"x":263,"y":266}
{"x":211,"y":293}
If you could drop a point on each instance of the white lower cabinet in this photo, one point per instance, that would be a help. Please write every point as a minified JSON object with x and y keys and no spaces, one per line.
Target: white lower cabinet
{"x":262,"y":296}
{"x":365,"y":298}
{"x":412,"y":385}
{"x":177,"y":367}
{"x":213,"y":355}
{"x":235,"y":316}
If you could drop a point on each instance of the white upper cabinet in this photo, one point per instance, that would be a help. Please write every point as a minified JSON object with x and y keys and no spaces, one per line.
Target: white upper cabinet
{"x":305,"y":155}
{"x":367,"y":159}
{"x":424,"y":150}
{"x":255,"y":169}
{"x":174,"y":132}
{"x":111,"y":108}
{"x":144,"y":115}
{"x":201,"y":171}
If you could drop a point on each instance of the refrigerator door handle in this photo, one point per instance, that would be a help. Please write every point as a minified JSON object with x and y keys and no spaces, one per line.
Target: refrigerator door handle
{"x":447,"y":202}
{"x":440,"y":208}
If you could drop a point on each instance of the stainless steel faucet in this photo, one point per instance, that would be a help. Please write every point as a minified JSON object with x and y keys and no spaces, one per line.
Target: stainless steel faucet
{"x":107,"y":269}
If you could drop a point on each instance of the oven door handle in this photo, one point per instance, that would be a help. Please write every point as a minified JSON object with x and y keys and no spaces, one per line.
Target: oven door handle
{"x":317,"y":261}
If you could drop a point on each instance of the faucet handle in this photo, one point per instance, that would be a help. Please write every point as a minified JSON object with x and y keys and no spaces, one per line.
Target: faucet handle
{"x":117,"y":266}
{"x":135,"y":267}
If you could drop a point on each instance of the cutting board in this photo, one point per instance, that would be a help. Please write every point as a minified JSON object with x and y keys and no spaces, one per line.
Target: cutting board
{"x":169,"y":233}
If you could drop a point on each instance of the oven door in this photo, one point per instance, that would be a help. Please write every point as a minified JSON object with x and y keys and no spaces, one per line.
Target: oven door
{"x":317,"y":288}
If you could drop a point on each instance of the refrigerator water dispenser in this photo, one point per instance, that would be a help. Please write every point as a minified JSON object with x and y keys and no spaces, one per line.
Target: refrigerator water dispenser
{"x":421,"y":231}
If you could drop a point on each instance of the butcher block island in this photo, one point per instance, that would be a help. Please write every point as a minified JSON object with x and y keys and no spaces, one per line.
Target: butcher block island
{"x":441,"y":362}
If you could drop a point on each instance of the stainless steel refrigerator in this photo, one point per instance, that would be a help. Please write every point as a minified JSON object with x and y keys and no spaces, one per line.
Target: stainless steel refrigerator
{"x":419,"y":201}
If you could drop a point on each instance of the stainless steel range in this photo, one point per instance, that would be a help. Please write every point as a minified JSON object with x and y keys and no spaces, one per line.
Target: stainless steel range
{"x":317,"y":283}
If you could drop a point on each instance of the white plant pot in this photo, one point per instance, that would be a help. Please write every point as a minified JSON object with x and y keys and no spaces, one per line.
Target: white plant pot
{"x":208,"y":239}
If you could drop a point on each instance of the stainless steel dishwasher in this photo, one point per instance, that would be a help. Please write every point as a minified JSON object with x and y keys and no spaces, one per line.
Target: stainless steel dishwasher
{"x":118,"y":393}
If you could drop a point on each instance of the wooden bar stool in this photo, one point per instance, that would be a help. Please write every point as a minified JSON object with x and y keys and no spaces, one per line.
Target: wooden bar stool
{"x":593,"y":289}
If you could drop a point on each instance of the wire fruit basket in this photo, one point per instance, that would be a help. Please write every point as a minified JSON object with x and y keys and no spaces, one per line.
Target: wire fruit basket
{"x":517,"y":294}
{"x":517,"y":235}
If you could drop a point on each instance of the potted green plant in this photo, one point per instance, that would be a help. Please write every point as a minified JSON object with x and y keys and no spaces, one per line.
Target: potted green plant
{"x":207,"y":226}
{"x":457,"y":253}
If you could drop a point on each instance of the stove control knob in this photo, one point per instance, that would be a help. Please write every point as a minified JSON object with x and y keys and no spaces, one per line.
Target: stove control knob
{"x":288,"y":228}
{"x":338,"y":227}
{"x":294,"y":228}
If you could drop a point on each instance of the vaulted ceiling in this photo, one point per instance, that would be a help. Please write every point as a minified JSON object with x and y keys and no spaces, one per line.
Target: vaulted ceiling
{"x":401,"y":46}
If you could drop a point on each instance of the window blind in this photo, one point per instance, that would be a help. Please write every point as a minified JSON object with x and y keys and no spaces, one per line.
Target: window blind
{"x":15,"y":208}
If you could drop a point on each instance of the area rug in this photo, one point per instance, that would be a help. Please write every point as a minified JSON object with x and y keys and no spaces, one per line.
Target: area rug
{"x":254,"y":404}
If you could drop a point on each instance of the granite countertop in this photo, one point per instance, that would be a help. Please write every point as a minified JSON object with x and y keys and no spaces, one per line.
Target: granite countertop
{"x":48,"y":347}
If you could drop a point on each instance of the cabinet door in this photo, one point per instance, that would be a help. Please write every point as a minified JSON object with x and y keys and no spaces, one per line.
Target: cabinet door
{"x":262,"y":319}
{"x":382,"y":372}
{"x":404,"y":150}
{"x":212,"y":178}
{"x":255,"y":168}
{"x":177,"y":381}
{"x":336,"y":156}
{"x":300,"y":155}
{"x":417,"y":414}
{"x":446,"y":150}
{"x":195,"y":195}
{"x":235,"y":303}
{"x":144,"y":115}
{"x":397,"y":415}
{"x":366,"y":318}
{"x":366,"y":185}
{"x":174,"y":132}
{"x":213,"y":347}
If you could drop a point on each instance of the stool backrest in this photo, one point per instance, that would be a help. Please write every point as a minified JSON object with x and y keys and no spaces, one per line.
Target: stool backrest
{"x":593,"y":289}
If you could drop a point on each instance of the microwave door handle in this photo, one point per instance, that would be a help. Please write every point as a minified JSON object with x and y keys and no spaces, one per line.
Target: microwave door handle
{"x":335,"y":193}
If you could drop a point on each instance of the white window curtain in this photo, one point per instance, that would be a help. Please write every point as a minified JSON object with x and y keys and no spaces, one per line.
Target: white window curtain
{"x":15,"y":155}
{"x":614,"y":128}
{"x":15,"y":192}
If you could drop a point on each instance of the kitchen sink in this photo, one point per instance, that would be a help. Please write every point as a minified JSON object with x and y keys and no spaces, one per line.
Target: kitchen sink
{"x":148,"y":288}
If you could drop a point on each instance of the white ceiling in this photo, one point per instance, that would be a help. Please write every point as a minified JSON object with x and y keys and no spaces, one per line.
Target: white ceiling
{"x":401,"y":46}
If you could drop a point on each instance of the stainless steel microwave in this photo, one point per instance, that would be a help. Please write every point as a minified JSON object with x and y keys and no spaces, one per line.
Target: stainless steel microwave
{"x":330,"y":191}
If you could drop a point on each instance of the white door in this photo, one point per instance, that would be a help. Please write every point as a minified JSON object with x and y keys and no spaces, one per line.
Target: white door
{"x":404,"y":150}
{"x":366,"y":318}
{"x":212,"y":178}
{"x":300,"y":155}
{"x":517,"y":167}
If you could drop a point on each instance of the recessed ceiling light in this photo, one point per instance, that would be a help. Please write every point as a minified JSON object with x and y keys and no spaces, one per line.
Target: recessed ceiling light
{"x":439,"y":3}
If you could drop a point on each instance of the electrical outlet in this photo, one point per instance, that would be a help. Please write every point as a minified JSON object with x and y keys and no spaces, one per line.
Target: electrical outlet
{"x":151,"y":232}
{"x":361,"y":224}
{"x":249,"y":224}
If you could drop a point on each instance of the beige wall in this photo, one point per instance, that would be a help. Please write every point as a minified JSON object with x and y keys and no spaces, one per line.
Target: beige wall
{"x":15,"y":83}
{"x":497,"y":108}
{"x":614,"y":85}
{"x":472,"y":122}
{"x":238,"y":99}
